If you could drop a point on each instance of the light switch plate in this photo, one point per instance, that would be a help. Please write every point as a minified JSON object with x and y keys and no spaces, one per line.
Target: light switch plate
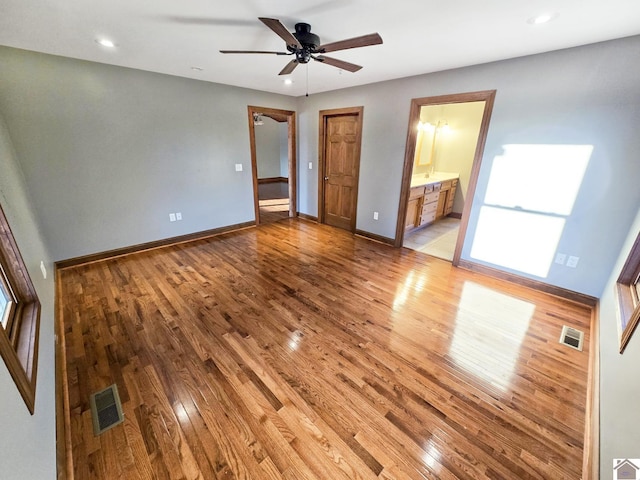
{"x":178,"y":215}
{"x":238,"y":167}
{"x":172,"y":217}
{"x":572,"y":262}
{"x":310,"y":165}
{"x":560,"y":258}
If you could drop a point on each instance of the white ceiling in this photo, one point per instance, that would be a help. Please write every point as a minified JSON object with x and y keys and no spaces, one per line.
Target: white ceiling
{"x":420,"y":36}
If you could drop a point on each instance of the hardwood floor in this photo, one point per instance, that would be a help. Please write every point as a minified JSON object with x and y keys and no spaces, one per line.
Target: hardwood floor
{"x":299,"y":351}
{"x":273,"y":210}
{"x":273,"y":201}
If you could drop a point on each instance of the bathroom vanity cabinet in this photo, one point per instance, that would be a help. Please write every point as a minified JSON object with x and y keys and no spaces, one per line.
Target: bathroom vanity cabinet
{"x":430,"y":199}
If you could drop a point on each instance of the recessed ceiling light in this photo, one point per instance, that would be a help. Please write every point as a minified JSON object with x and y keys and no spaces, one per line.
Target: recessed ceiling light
{"x":540,"y":19}
{"x":105,"y":42}
{"x":288,"y":81}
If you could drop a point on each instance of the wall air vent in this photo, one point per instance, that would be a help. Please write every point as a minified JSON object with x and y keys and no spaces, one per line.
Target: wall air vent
{"x":571,"y":337}
{"x":106,"y":409}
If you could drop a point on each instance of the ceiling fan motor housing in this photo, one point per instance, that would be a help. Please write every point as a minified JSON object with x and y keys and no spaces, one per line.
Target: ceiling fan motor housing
{"x":305,"y":37}
{"x":309,"y":41}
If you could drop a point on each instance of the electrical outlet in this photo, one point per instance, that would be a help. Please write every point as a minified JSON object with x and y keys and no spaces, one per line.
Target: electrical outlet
{"x":310,"y":165}
{"x":43,"y":270}
{"x":238,"y":167}
{"x":375,"y":215}
{"x":572,"y":262}
{"x":560,"y":258}
{"x":172,"y":217}
{"x":178,"y":215}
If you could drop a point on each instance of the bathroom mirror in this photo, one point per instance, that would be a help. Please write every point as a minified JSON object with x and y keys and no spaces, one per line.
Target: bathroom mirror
{"x":425,"y":144}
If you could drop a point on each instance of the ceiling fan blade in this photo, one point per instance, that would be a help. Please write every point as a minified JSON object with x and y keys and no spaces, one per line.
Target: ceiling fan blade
{"x":280,"y":30}
{"x":356,"y":42}
{"x":334,"y":62}
{"x":254,"y":51}
{"x":289,"y":67}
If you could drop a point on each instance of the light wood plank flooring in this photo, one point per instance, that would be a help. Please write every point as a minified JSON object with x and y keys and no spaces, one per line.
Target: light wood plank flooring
{"x":299,"y":351}
{"x":273,"y":201}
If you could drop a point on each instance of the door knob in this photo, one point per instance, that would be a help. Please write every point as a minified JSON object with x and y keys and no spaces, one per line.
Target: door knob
{"x":326,"y":178}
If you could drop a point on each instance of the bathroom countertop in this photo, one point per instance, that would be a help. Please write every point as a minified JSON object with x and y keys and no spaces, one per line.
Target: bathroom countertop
{"x":436,"y":177}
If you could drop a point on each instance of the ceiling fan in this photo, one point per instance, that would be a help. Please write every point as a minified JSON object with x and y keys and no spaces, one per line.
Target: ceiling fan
{"x":306,"y":46}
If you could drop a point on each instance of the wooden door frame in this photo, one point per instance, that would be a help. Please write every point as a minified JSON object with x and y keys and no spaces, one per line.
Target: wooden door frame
{"x":278,"y":115}
{"x":487,"y":96}
{"x":322,"y":122}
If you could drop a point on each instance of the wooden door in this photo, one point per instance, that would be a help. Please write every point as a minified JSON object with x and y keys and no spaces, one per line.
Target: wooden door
{"x":341,"y":154}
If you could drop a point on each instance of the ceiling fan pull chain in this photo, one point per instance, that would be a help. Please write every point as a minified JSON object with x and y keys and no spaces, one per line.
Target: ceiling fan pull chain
{"x":307,"y":80}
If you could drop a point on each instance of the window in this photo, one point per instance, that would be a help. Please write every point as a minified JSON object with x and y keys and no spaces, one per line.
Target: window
{"x":531,"y":193}
{"x":19,"y":316}
{"x":628,"y":288}
{"x":6,"y":301}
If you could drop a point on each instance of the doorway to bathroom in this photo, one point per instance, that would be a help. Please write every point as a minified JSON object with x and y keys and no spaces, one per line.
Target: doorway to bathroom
{"x":445,"y":143}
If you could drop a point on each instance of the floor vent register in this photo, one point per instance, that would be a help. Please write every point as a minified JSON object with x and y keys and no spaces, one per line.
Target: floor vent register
{"x":571,"y":337}
{"x":106,"y":409}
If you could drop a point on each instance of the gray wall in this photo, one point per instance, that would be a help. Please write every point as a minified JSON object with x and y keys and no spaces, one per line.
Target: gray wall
{"x":284,"y":149}
{"x":619,"y":381}
{"x":109,"y":152}
{"x":586,"y":95}
{"x":268,"y":148}
{"x":27,"y":443}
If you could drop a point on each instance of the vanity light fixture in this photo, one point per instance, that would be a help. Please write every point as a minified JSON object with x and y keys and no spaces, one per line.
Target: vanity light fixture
{"x":426,"y":127}
{"x":442,"y":126}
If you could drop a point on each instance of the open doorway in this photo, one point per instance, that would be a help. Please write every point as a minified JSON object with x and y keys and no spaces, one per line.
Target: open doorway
{"x":445,"y":142}
{"x":273,"y":163}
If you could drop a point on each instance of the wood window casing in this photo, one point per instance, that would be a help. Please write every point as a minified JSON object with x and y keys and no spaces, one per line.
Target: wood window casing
{"x":628,"y":290}
{"x":20,"y":325}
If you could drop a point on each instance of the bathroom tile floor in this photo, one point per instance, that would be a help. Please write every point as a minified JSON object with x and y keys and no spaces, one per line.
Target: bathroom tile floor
{"x":438,"y":239}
